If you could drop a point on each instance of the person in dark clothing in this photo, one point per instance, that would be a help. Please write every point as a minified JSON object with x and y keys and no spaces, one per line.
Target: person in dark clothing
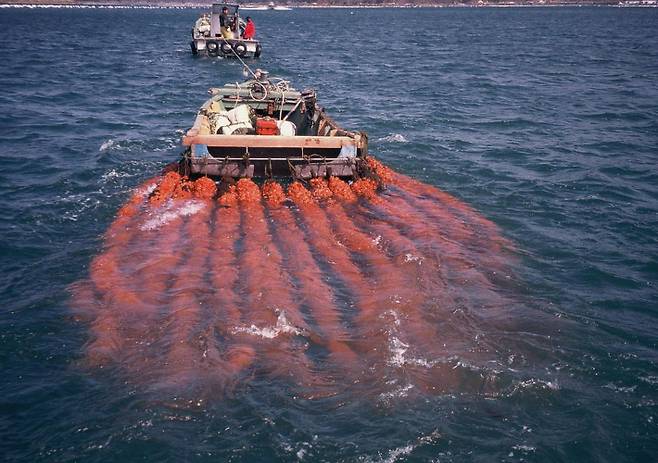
{"x":225,"y":24}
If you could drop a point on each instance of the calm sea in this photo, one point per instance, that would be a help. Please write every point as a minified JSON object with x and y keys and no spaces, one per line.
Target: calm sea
{"x":545,"y":120}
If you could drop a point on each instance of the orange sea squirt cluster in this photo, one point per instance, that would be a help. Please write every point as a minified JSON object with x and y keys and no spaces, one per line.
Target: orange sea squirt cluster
{"x":299,"y":194}
{"x":341,"y":190}
{"x":365,"y":187}
{"x":273,"y":194}
{"x":204,"y":188}
{"x":165,"y":189}
{"x":320,"y":189}
{"x":248,"y":191}
{"x":384,"y":173}
{"x":229,"y":198}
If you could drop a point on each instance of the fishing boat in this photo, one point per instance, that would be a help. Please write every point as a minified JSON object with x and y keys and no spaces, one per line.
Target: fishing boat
{"x":255,"y":7}
{"x":273,"y":6}
{"x":264,"y":128}
{"x":210,"y":38}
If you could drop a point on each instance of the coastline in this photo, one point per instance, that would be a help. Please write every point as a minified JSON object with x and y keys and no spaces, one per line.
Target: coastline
{"x":479,"y":4}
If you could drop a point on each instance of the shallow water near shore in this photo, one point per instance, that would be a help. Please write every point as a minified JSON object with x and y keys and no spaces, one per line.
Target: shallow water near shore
{"x":544,"y":121}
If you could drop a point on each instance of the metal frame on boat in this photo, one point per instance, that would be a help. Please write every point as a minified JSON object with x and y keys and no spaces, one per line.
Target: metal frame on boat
{"x":264,"y":128}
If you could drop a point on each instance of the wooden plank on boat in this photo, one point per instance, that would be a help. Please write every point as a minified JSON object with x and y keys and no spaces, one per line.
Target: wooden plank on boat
{"x":266,"y":141}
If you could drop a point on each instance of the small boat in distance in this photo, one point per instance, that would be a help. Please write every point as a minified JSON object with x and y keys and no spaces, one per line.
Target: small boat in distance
{"x":264,"y":128}
{"x":272,"y":6}
{"x":211,"y":38}
{"x":255,"y":7}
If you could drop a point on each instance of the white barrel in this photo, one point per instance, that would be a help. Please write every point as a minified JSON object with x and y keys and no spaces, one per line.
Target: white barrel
{"x":239,"y":114}
{"x":286,"y":128}
{"x":217,"y":121}
{"x":222,"y":121}
{"x":229,"y":129}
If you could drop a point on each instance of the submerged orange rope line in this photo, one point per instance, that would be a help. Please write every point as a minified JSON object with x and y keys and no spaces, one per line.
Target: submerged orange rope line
{"x":462,"y":265}
{"x":268,"y":288}
{"x":460,"y":268}
{"x":490,"y":233}
{"x":238,"y":350}
{"x":391,"y":282}
{"x":485,"y":250}
{"x":184,"y":358}
{"x":444,"y":205}
{"x":323,"y":241}
{"x":316,"y":294}
{"x":107,"y":278}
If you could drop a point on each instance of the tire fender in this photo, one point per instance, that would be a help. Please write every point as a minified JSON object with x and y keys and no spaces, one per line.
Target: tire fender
{"x":226,"y":48}
{"x":212,"y":47}
{"x":240,"y":48}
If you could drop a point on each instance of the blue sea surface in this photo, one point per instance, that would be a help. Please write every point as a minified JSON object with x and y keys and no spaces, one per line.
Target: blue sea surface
{"x":545,"y":120}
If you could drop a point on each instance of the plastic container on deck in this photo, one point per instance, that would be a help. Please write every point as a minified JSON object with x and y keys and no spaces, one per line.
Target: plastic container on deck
{"x":266,"y":126}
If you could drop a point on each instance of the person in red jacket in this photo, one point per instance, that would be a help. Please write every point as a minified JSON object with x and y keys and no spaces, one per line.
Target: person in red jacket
{"x":249,"y":29}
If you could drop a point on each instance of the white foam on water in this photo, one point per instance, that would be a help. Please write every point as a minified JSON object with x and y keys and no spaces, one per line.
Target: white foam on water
{"x":113,"y":174}
{"x":400,"y":452}
{"x":398,"y":349}
{"x":396,"y":317}
{"x":282,"y":326}
{"x":623,"y":389}
{"x":166,"y":144}
{"x":398,"y":393}
{"x":394,"y":454}
{"x":394,"y":138}
{"x":160,"y":144}
{"x":649,"y":379}
{"x":411,"y":258}
{"x":535,"y":384}
{"x":465,"y":365}
{"x":421,"y":362}
{"x":187,"y":209}
{"x":80,"y":203}
{"x":148,"y":189}
{"x":106,"y":145}
{"x":524,"y":448}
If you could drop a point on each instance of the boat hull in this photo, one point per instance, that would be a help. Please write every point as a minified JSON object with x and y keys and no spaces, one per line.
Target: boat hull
{"x":293,"y":168}
{"x":229,"y":136}
{"x":227,"y":48}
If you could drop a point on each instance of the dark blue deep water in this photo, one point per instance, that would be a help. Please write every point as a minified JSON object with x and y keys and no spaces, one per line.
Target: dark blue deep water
{"x":544,"y":120}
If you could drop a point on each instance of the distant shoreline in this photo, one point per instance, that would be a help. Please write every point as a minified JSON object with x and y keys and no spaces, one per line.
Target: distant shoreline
{"x":481,"y":4}
{"x":352,"y":4}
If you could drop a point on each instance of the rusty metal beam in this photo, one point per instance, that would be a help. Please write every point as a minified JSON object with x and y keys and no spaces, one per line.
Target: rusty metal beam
{"x":267,"y":141}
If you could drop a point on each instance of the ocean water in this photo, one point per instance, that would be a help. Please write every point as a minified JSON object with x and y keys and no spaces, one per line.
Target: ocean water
{"x":545,"y":120}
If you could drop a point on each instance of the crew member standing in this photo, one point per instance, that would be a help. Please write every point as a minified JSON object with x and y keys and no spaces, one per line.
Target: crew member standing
{"x":225,"y":23}
{"x":249,"y":29}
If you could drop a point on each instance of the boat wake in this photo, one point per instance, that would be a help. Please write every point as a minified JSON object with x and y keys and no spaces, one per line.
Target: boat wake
{"x":384,"y":283}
